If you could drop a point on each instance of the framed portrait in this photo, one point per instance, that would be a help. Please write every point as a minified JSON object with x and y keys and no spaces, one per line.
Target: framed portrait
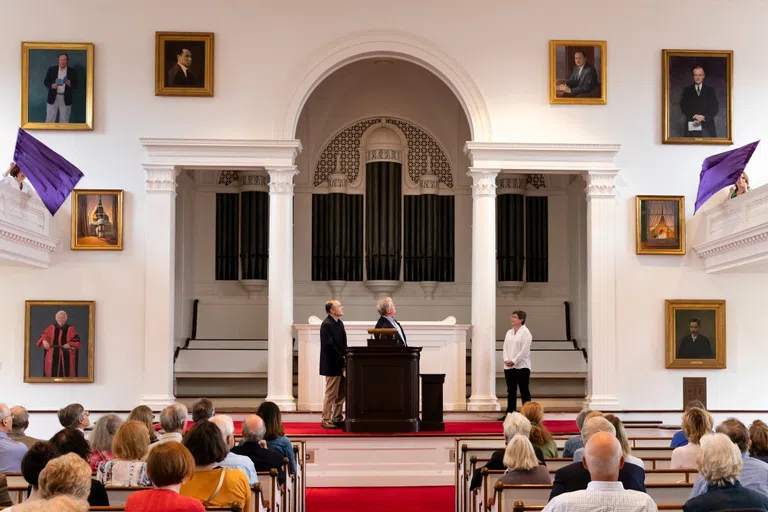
{"x":695,"y":334}
{"x":97,"y":220}
{"x":59,"y":341}
{"x":577,"y":72}
{"x":183,"y":64}
{"x":697,"y":97}
{"x":660,"y":225}
{"x":57,"y":86}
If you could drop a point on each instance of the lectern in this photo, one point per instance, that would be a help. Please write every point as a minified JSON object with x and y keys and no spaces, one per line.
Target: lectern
{"x":382,"y":385}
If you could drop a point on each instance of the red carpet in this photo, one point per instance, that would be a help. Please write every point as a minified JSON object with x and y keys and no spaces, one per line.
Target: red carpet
{"x":452,"y":428}
{"x":380,"y":499}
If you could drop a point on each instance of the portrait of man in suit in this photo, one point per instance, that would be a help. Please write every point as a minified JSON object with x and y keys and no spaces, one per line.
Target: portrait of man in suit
{"x":184,"y":64}
{"x":180,"y":75}
{"x":699,"y":105}
{"x":60,"y":80}
{"x":577,"y":72}
{"x":695,"y":345}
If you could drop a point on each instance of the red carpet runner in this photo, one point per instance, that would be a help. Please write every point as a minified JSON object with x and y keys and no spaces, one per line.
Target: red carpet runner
{"x":380,"y":499}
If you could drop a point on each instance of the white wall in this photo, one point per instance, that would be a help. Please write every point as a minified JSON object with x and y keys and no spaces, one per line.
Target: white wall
{"x":261,"y":52}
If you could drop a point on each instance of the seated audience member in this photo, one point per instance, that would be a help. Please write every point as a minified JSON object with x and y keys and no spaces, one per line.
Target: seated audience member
{"x":696,"y":424}
{"x":19,"y":427}
{"x":129,"y":446}
{"x":55,"y":504}
{"x":679,"y":439}
{"x":5,"y":498}
{"x":144,"y":414}
{"x":754,"y":473}
{"x":575,"y":477}
{"x":173,"y":420}
{"x":101,"y":440}
{"x":574,"y":443}
{"x":605,"y":491}
{"x":169,"y":465}
{"x":540,"y":436}
{"x":720,"y":464}
{"x":263,"y":459}
{"x":233,"y":460}
{"x":75,"y":416}
{"x":212,"y":484}
{"x":621,"y":435}
{"x":521,"y":464}
{"x":72,"y":440}
{"x":741,"y":186}
{"x":514,"y":424}
{"x":579,"y":453}
{"x":275,"y":435}
{"x":758,"y":440}
{"x":11,"y":452}
{"x":64,"y":478}
{"x":34,"y":462}
{"x":202,"y":410}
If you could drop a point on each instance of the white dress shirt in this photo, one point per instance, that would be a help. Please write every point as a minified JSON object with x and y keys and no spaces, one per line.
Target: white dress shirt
{"x":517,"y":347}
{"x":602,"y":496}
{"x":11,"y":182}
{"x":62,"y":75}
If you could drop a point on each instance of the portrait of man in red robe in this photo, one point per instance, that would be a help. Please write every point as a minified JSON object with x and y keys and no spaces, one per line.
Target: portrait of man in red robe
{"x":61,"y":344}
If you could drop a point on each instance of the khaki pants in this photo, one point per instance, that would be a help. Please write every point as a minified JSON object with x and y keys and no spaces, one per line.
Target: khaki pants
{"x":335,"y":393}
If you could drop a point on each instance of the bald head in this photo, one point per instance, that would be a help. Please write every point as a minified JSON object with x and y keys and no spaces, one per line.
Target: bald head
{"x":602,"y":457}
{"x":253,"y":428}
{"x":6,"y":420}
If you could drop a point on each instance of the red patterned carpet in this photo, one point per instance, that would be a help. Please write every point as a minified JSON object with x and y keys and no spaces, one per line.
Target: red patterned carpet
{"x":380,"y":499}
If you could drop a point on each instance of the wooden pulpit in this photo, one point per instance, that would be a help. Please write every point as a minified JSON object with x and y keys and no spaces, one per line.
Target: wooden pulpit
{"x":382,"y":385}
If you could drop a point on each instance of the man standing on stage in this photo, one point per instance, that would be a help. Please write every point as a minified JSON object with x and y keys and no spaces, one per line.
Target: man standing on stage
{"x":61,"y":344}
{"x":333,"y":343}
{"x":517,"y":360}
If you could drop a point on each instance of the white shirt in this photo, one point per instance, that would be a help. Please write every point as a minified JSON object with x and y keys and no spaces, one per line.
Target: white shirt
{"x":11,"y":182}
{"x":62,"y":75}
{"x":183,"y":68}
{"x":602,"y":496}
{"x":517,"y":347}
{"x":579,"y":74}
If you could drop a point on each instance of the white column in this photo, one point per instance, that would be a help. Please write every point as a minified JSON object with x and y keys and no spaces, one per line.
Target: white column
{"x":280,"y":323}
{"x":483,"y":397}
{"x":159,"y":261}
{"x":601,"y":289}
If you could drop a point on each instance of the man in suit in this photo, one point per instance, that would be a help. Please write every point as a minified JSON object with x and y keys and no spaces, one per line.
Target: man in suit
{"x":60,"y":80}
{"x":583,"y":80}
{"x":333,"y":344}
{"x":263,"y":458}
{"x":386,"y":309}
{"x":180,"y":75}
{"x":695,"y":345}
{"x":576,"y":477}
{"x":700,"y":106}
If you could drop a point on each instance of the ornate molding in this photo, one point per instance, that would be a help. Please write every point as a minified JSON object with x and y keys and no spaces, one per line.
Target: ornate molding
{"x":160,"y":178}
{"x":383,"y":155}
{"x":281,"y":179}
{"x":511,"y":183}
{"x":483,"y":181}
{"x":707,"y":250}
{"x":601,"y":184}
{"x":253,"y":181}
{"x":551,"y":158}
{"x":221,"y":153}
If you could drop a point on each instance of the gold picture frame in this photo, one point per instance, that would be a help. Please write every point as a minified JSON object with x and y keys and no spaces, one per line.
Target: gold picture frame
{"x":660,"y":225}
{"x":44,"y":96}
{"x":184,"y":64}
{"x":707,"y":317}
{"x":564,"y":74}
{"x":681,"y":98}
{"x":97,"y":220}
{"x":59,"y":365}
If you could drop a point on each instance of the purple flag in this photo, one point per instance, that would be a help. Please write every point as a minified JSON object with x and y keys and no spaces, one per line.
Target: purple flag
{"x":50,"y":173}
{"x":722,"y":170}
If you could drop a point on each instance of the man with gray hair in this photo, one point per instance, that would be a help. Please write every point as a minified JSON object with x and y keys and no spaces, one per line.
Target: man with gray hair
{"x":592,"y":426}
{"x":263,"y":458}
{"x":11,"y":452}
{"x":514,"y":424}
{"x":75,"y":416}
{"x":233,"y":460}
{"x":575,"y":443}
{"x":173,"y":420}
{"x":603,"y":460}
{"x":386,"y":309}
{"x":575,"y":477}
{"x":20,"y":425}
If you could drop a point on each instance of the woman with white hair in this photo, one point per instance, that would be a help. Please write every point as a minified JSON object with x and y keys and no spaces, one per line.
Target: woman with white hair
{"x":522,"y":465}
{"x":720,"y":463}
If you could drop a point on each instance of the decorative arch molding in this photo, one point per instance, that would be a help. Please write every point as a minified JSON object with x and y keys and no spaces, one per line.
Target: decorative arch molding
{"x":345,"y":154}
{"x":383,"y":44}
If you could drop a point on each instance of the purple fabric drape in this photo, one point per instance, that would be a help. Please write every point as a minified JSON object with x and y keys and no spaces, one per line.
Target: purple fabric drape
{"x":722,"y":170}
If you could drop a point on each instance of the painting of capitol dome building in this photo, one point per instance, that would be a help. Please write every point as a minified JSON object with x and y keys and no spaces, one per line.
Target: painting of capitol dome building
{"x":97,"y":220}
{"x":660,"y":225}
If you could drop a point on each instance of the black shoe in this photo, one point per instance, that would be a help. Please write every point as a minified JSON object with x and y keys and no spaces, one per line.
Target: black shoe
{"x":339,"y":423}
{"x":325,"y":424}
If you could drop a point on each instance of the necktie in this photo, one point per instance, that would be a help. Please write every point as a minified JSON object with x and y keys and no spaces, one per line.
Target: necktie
{"x":698,"y":89}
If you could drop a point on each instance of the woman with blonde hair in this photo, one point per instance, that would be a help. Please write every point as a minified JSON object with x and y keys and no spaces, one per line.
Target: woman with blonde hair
{"x":740,"y":187}
{"x":758,"y":440}
{"x":540,"y":436}
{"x":101,"y":440}
{"x":64,"y":486}
{"x":522,"y":465}
{"x":169,"y":465}
{"x":130,"y":445}
{"x":145,"y":415}
{"x":696,"y":424}
{"x":621,"y":435}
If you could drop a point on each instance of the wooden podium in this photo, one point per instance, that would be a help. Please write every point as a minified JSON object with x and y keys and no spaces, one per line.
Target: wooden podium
{"x":382,"y":385}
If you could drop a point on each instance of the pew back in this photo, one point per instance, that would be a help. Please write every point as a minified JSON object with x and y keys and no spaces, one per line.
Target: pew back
{"x":507,"y":495}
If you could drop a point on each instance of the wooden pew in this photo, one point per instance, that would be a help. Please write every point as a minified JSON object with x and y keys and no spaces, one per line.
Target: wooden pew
{"x":519,"y":506}
{"x":507,"y":495}
{"x":15,"y":479}
{"x":271,"y":495}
